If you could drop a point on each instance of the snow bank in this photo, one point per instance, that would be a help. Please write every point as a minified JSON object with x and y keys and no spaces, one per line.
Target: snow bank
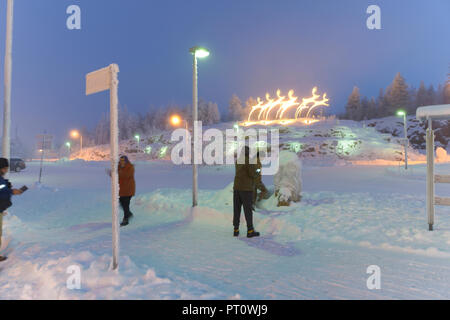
{"x":47,"y":279}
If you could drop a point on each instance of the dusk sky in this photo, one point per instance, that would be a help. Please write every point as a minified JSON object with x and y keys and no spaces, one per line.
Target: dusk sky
{"x":257,"y":46}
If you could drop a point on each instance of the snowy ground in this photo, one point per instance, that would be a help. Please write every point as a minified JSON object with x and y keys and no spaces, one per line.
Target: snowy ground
{"x":350,"y":217}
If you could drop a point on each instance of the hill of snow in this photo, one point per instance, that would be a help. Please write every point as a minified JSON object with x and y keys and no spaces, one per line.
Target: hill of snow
{"x":327,"y":142}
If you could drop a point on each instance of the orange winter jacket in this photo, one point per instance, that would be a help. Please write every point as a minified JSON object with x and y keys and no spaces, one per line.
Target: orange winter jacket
{"x":126,"y":181}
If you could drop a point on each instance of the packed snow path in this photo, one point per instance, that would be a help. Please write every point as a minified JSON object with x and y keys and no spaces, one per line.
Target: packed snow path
{"x":350,"y":218}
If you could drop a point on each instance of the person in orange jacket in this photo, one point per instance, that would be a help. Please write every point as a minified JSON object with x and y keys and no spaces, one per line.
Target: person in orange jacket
{"x":127,"y":189}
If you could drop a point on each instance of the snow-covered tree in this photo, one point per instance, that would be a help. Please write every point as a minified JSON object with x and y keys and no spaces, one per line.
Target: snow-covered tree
{"x":126,"y":124}
{"x":353,"y":107}
{"x":447,"y":91}
{"x":398,"y":95}
{"x":235,"y":110}
{"x":213,"y":113}
{"x":249,"y":104}
{"x":102,"y":131}
{"x":440,"y":94}
{"x":187,"y":113}
{"x":364,"y":112}
{"x":382,"y":104}
{"x":431,"y":96}
{"x":159,"y":119}
{"x":372,"y":111}
{"x":421,"y":96}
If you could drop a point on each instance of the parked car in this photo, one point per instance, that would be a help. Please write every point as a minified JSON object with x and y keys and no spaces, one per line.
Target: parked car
{"x":17,"y":165}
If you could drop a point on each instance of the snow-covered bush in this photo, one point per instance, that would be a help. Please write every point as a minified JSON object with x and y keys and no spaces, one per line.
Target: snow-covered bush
{"x":288,"y":181}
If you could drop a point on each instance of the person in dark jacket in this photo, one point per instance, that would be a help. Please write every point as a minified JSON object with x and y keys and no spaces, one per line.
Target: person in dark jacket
{"x":6,"y":191}
{"x":243,"y":193}
{"x":127,"y":189}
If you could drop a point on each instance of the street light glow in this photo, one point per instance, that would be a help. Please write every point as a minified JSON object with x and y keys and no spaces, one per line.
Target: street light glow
{"x":68,"y":144}
{"x":175,"y":120}
{"x":401,"y":113}
{"x":74,"y":134}
{"x":200,"y":52}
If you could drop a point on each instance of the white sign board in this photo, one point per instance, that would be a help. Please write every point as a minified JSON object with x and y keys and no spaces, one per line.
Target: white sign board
{"x":98,"y":81}
{"x":438,"y":112}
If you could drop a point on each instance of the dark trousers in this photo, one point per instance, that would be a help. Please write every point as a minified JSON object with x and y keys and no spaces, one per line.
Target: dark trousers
{"x":243,"y":199}
{"x":125,"y":204}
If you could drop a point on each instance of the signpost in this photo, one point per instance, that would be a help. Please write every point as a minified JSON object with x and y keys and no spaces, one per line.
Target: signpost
{"x":98,"y":81}
{"x":429,"y":114}
{"x":402,"y":113}
{"x":44,"y":142}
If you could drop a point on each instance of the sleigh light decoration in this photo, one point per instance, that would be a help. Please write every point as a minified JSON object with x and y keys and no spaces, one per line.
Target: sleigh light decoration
{"x":276,"y":110}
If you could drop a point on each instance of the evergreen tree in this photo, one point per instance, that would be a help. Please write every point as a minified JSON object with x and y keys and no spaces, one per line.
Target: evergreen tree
{"x":447,"y":91}
{"x":235,"y":110}
{"x":398,"y":96}
{"x":187,"y":113}
{"x":422,"y":95}
{"x":372,"y":111}
{"x":249,"y":104}
{"x":353,"y":105}
{"x":159,"y":119}
{"x":213,"y":113}
{"x":102,"y":131}
{"x":382,"y":104}
{"x":440,"y":94}
{"x":431,"y":96}
{"x":412,"y":107}
{"x":363,"y":113}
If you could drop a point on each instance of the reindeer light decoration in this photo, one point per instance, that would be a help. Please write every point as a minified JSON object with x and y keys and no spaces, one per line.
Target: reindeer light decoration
{"x":264,"y":112}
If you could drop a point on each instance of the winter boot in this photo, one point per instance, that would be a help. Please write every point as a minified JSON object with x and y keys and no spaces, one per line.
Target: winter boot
{"x":124,"y":223}
{"x":252,"y":233}
{"x":3,"y":258}
{"x":236,"y":232}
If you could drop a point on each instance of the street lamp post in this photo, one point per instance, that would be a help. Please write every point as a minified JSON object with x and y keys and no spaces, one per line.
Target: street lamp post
{"x":197,"y":53}
{"x":138,"y":139}
{"x":75,"y":134}
{"x":6,"y":147}
{"x":402,"y":113}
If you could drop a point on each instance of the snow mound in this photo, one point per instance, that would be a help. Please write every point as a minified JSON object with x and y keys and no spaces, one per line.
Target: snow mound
{"x":288,"y":181}
{"x":47,"y":279}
